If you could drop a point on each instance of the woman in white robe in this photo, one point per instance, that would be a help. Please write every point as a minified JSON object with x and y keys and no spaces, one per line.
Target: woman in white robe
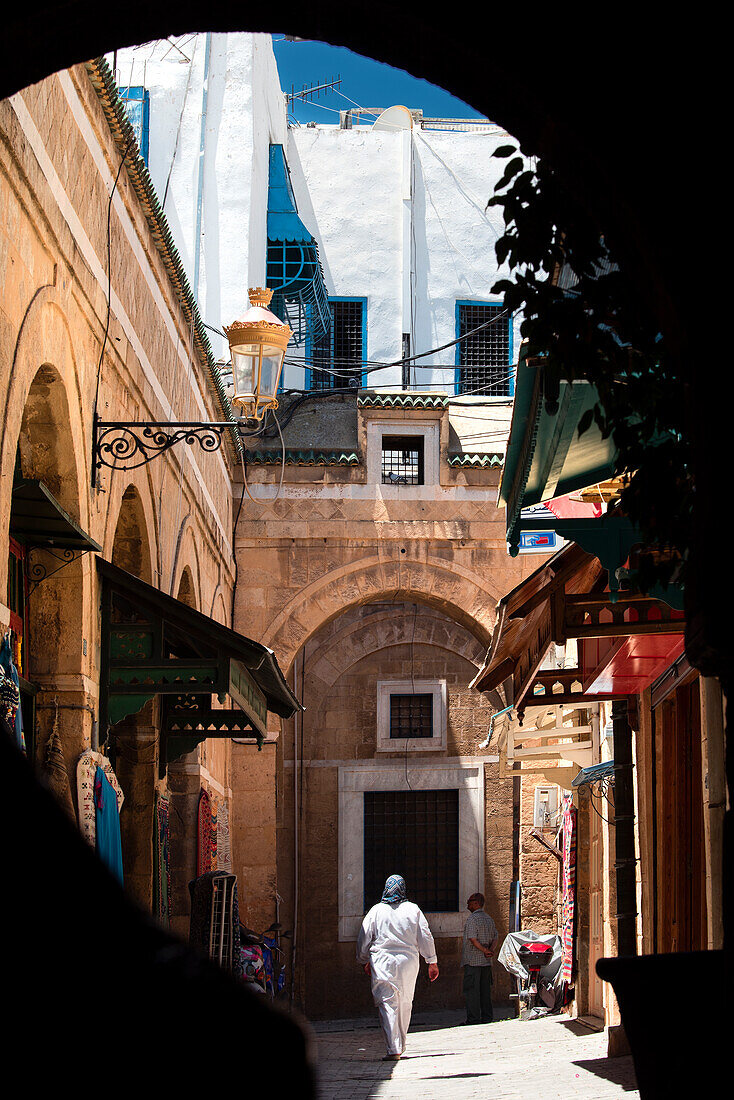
{"x":393,"y":936}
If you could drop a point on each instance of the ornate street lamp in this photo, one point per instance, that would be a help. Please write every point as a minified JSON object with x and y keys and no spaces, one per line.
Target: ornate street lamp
{"x":258,"y":344}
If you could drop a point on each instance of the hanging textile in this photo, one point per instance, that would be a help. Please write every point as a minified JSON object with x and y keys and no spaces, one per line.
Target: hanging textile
{"x":10,"y":692}
{"x":569,"y":886}
{"x":54,"y":765}
{"x":107,"y":824}
{"x":214,"y":927}
{"x":206,"y":840}
{"x":86,"y":771}
{"x":224,"y":847}
{"x":161,"y":860}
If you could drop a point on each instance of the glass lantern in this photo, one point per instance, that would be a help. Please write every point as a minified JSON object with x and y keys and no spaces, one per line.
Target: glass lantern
{"x":258,"y":345}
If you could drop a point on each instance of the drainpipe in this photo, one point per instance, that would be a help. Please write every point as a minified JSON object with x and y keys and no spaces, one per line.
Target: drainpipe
{"x":200,"y":181}
{"x":497,"y":714}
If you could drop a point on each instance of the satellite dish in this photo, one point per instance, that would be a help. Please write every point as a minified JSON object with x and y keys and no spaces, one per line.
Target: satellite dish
{"x":394,"y":119}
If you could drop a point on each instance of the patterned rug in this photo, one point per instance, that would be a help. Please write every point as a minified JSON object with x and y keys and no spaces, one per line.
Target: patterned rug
{"x":207,"y":838}
{"x":569,"y":887}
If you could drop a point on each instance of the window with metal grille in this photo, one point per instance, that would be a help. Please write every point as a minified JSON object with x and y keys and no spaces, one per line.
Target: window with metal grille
{"x":341,"y":350}
{"x":402,"y":460}
{"x":414,"y":834}
{"x":411,"y":715}
{"x":484,"y":358}
{"x":137,"y":106}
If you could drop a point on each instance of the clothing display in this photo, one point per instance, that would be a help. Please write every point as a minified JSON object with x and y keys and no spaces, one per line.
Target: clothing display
{"x":161,"y":860}
{"x":569,"y":887}
{"x":10,"y":692}
{"x":107,"y":823}
{"x":392,"y":938}
{"x":86,"y":771}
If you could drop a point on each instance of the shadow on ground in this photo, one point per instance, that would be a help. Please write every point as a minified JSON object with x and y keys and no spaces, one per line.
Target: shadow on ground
{"x":618,"y":1071}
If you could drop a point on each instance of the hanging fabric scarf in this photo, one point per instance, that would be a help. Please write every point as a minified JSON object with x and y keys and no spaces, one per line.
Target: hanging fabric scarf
{"x":161,"y":857}
{"x":108,"y":839}
{"x":569,"y":887}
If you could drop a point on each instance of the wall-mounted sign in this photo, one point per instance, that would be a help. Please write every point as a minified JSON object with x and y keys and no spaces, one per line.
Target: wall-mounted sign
{"x":538,"y":542}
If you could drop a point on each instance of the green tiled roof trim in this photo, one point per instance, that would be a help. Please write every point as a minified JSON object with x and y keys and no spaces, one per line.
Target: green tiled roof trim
{"x":303,"y":458}
{"x":402,"y":401}
{"x":104,"y":85}
{"x":478,"y":461}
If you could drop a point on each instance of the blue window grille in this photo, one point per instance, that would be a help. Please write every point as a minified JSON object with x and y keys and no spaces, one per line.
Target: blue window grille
{"x":137,"y":105}
{"x":294,"y":271}
{"x":484,"y":359}
{"x":336,"y":358}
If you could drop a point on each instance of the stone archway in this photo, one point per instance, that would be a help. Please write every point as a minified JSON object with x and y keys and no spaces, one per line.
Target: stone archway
{"x":131,"y":544}
{"x":462,"y":596}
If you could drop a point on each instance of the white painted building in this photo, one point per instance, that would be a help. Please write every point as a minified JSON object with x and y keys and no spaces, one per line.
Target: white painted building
{"x":397,"y":211}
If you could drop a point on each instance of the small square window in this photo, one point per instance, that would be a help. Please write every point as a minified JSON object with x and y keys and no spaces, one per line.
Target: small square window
{"x":402,"y":460}
{"x":411,"y":715}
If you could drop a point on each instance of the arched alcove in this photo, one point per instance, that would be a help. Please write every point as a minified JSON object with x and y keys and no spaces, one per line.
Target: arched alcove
{"x":131,"y":543}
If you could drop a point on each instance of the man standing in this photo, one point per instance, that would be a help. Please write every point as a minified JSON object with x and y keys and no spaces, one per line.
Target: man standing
{"x":480,"y":937}
{"x":393,"y":936}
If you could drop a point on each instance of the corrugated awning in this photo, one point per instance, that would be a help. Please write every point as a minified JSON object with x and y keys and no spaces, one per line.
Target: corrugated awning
{"x":293,"y":267}
{"x":153,"y":644}
{"x":38,"y":520}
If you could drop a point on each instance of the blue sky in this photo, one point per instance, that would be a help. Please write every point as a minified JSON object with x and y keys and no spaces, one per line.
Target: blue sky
{"x":368,"y":83}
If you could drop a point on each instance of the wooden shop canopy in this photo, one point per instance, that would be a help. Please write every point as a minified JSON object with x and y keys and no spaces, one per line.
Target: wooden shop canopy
{"x":152,"y":644}
{"x":624,"y":641}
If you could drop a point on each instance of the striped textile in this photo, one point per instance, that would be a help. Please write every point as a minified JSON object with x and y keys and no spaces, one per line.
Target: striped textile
{"x":161,"y":861}
{"x":569,"y":887}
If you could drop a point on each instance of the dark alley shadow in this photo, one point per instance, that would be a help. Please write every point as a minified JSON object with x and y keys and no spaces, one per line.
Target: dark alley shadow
{"x":618,"y":1071}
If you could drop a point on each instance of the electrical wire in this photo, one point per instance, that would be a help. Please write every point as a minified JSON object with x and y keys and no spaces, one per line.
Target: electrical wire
{"x":246,"y":487}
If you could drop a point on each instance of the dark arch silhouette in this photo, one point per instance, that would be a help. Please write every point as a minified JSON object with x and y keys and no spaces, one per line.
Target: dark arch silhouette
{"x":621,"y":110}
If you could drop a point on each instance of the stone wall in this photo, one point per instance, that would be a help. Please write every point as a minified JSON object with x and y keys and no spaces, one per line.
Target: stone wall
{"x":169,"y":523}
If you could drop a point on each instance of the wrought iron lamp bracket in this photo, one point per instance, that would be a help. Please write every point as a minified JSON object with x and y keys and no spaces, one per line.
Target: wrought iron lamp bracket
{"x":128,"y":446}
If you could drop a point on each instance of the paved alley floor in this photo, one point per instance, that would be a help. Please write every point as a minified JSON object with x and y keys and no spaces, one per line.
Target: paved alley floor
{"x":549,"y":1059}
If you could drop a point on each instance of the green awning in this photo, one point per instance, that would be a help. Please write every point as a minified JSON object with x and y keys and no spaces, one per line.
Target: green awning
{"x":38,"y":520}
{"x":152,"y":644}
{"x":546,"y":457}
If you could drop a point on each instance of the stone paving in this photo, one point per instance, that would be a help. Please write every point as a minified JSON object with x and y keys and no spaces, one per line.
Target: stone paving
{"x":553,"y":1058}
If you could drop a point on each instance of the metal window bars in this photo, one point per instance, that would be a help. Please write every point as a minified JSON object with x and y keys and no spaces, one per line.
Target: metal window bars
{"x":340,"y":349}
{"x":484,"y":357}
{"x":402,"y":460}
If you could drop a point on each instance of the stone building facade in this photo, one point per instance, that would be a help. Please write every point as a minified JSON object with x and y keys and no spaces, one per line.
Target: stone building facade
{"x":367,"y":590}
{"x":96,"y":315}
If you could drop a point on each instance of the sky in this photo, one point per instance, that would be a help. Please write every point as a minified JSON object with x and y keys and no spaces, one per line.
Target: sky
{"x":365,"y":82}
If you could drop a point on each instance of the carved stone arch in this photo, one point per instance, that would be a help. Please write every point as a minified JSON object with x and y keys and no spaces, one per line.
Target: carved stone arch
{"x":361,"y":638}
{"x":462,"y":597}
